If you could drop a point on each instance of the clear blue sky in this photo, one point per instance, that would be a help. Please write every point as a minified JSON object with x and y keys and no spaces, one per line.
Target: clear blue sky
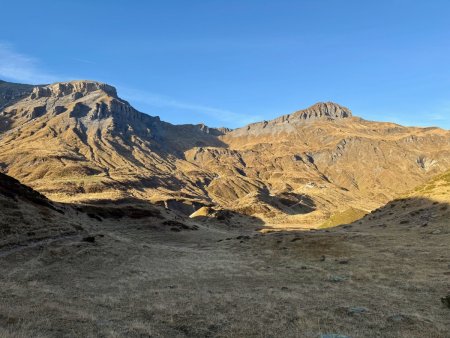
{"x":231,"y":62}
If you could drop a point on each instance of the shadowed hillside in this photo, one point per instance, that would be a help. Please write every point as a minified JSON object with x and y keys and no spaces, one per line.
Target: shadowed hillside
{"x":426,"y":205}
{"x":27,"y":217}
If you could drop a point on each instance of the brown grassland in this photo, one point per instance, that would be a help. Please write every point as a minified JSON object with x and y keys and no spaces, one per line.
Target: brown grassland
{"x":382,"y":276}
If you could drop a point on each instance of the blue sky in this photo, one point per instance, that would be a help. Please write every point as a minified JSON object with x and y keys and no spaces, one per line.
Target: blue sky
{"x":231,"y":62}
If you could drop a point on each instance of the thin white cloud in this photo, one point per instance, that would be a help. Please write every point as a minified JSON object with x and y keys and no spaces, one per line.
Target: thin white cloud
{"x":438,"y":117}
{"x":441,"y":119}
{"x":15,"y":66}
{"x":441,"y":116}
{"x":441,"y":112}
{"x":84,"y":61}
{"x":156,"y":100}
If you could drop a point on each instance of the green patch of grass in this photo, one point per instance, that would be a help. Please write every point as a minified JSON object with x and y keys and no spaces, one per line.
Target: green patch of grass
{"x":427,"y":188}
{"x":344,"y":217}
{"x":446,"y":177}
{"x":438,"y":181}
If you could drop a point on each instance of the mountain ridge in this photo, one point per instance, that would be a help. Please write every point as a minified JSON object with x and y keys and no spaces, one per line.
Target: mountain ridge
{"x":321,"y":109}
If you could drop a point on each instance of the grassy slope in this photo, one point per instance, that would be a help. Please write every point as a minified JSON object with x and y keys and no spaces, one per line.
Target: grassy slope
{"x":437,"y":188}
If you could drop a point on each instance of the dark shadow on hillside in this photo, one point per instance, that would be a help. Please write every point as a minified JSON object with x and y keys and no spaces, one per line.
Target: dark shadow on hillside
{"x":167,"y":139}
{"x":292,"y":203}
{"x":119,"y":209}
{"x":178,"y":210}
{"x":399,"y":223}
{"x":287,"y":203}
{"x":13,"y":189}
{"x":407,"y":213}
{"x":10,"y":93}
{"x":26,"y":216}
{"x":420,"y":214}
{"x":188,"y":136}
{"x":5,"y":120}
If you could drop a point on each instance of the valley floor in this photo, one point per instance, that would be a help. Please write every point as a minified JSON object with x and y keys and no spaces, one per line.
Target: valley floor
{"x":135,"y":281}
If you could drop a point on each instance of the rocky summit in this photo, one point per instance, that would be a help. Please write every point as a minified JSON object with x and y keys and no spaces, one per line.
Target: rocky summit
{"x":79,"y":141}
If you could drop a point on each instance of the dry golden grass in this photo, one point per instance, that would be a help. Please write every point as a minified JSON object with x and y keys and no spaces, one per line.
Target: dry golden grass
{"x":375,"y":279}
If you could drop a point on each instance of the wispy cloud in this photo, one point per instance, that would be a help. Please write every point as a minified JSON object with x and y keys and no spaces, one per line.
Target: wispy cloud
{"x":22,"y":68}
{"x":161,"y":101}
{"x":439,"y":116}
{"x":86,"y":61}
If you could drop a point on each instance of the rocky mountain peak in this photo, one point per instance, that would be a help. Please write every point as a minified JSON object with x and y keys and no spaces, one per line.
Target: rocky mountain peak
{"x":323,"y":111}
{"x":328,"y":110}
{"x":77,"y":89}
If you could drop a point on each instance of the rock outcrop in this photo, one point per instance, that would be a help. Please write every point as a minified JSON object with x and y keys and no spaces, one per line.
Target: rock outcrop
{"x":321,"y":110}
{"x":12,"y":92}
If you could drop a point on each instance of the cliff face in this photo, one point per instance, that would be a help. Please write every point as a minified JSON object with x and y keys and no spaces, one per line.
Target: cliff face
{"x":12,"y":92}
{"x":78,"y":141}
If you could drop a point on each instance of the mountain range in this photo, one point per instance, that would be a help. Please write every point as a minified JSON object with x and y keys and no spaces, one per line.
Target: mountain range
{"x":79,"y":142}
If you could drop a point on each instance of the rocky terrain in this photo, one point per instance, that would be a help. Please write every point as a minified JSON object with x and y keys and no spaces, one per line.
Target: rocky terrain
{"x":78,"y":141}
